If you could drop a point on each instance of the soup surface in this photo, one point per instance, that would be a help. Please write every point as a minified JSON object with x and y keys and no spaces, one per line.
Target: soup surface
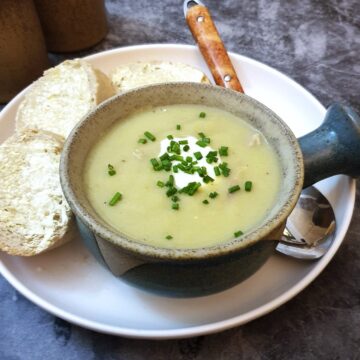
{"x":182,"y":176}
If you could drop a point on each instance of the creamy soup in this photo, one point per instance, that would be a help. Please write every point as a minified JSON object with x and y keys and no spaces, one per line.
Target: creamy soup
{"x":182,"y":176}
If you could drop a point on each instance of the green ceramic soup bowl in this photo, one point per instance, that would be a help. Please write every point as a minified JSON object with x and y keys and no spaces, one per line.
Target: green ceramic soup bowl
{"x":202,"y":271}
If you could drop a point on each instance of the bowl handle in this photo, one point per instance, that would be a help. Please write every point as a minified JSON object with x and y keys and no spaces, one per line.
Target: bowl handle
{"x":334,"y":147}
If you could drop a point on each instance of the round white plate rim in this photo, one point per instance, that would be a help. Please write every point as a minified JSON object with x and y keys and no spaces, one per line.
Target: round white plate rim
{"x":205,"y":328}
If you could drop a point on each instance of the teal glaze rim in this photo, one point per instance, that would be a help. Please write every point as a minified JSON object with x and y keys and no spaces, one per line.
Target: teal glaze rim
{"x":141,"y":250}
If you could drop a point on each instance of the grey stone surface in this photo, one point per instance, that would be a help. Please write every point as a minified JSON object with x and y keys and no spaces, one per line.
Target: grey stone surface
{"x":316,"y":42}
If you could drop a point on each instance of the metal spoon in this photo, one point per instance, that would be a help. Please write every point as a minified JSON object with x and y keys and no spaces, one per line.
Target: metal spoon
{"x":310,"y":228}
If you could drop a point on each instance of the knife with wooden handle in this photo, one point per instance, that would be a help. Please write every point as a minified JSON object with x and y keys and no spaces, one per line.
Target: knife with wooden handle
{"x":210,"y":44}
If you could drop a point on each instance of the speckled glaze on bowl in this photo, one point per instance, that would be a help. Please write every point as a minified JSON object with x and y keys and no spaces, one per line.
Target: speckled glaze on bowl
{"x":181,"y":272}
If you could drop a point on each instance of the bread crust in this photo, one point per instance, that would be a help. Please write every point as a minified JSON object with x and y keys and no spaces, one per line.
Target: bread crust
{"x":58,"y":100}
{"x":132,"y":75}
{"x":34,"y":215}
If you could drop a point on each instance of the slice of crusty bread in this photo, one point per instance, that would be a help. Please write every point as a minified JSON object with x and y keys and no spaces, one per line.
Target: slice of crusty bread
{"x":34,"y":215}
{"x":137,"y":74}
{"x":62,"y":96}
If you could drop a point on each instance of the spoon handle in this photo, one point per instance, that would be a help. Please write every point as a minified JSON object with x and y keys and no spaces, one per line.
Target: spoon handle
{"x":211,"y":46}
{"x":334,"y":147}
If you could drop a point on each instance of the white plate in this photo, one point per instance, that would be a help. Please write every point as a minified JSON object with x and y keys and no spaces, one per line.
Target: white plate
{"x":69,"y":283}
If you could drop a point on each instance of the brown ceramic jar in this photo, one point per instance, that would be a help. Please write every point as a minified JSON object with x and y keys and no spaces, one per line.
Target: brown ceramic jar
{"x":72,"y":25}
{"x":23,"y":55}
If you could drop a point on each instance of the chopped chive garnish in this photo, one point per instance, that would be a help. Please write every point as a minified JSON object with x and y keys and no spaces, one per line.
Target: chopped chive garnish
{"x":117,"y":197}
{"x":171,"y":191}
{"x":155,"y":164}
{"x":213,"y":195}
{"x":142,"y":141}
{"x":171,"y":180}
{"x":223,"y":151}
{"x":175,"y":198}
{"x":160,"y":184}
{"x":217,"y":171}
{"x":149,"y":135}
{"x":212,"y":154}
{"x":175,"y":206}
{"x":178,"y":127}
{"x":170,"y":137}
{"x":183,"y":142}
{"x":194,"y":188}
{"x":184,"y":169}
{"x":174,"y":147}
{"x":168,"y":237}
{"x":224,"y":169}
{"x":175,"y":169}
{"x":233,"y":189}
{"x":210,"y":160}
{"x":238,"y":233}
{"x":202,"y":114}
{"x":202,"y":143}
{"x":226,"y":172}
{"x":206,"y":202}
{"x":111,"y":170}
{"x":201,"y":134}
{"x":198,"y":155}
{"x":176,"y":157}
{"x":186,"y":148}
{"x":207,"y":179}
{"x":189,"y":159}
{"x":164,"y":156}
{"x":165,"y":163}
{"x":190,"y":188}
{"x":248,"y":185}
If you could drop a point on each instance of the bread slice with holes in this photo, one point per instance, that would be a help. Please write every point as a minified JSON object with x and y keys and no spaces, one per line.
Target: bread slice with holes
{"x":34,"y":215}
{"x":130,"y":76}
{"x":62,"y":96}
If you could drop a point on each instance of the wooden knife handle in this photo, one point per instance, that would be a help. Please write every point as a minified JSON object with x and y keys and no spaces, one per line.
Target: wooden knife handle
{"x":212,"y":48}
